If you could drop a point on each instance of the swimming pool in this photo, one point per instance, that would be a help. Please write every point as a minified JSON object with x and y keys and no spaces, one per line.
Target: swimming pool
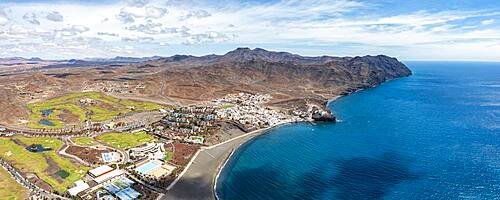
{"x":147,"y":167}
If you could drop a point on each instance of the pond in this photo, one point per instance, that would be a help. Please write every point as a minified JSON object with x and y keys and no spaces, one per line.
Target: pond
{"x":47,"y":112}
{"x":46,"y":122}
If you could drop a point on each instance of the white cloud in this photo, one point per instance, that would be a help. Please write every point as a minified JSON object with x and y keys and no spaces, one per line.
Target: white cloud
{"x":209,"y":37}
{"x":488,"y":22}
{"x":155,"y":12}
{"x":31,"y":18}
{"x":72,"y":30}
{"x":3,"y":17}
{"x":55,"y":16}
{"x":129,"y":15}
{"x":108,"y":34}
{"x":196,"y":14}
{"x":138,"y":39}
{"x":125,"y":17}
{"x":321,"y":25}
{"x":137,"y":3}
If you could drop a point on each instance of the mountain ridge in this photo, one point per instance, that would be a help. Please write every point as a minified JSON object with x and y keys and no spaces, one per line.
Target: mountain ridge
{"x":295,"y":82}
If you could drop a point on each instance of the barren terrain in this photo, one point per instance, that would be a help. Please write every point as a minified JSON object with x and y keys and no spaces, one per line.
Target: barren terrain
{"x":294,"y":81}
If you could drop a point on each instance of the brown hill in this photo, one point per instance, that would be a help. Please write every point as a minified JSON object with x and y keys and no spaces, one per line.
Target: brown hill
{"x":286,"y":76}
{"x":293,"y":80}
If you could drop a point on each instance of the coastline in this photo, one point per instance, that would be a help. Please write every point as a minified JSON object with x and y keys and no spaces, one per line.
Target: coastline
{"x":204,"y":168}
{"x":228,"y":148}
{"x":220,"y":170}
{"x":228,"y":151}
{"x":257,"y":133}
{"x":267,"y":129}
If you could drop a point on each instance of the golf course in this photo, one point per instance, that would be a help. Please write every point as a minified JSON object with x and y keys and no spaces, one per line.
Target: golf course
{"x":126,"y":140}
{"x":50,"y":167}
{"x":73,"y":109}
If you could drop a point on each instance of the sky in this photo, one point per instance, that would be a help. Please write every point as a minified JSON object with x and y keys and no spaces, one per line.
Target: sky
{"x":406,"y":29}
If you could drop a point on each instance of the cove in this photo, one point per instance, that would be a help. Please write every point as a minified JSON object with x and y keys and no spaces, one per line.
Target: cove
{"x":433,"y":135}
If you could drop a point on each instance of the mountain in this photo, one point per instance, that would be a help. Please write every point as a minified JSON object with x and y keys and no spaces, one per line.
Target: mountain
{"x":121,"y":59}
{"x":291,"y":78}
{"x":245,"y":54}
{"x":295,"y":82}
{"x":13,"y":60}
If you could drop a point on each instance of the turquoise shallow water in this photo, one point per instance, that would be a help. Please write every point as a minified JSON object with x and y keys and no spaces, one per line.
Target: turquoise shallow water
{"x":434,"y":135}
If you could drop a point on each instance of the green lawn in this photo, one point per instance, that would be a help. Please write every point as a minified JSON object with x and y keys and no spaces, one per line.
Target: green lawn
{"x":227,"y":105}
{"x":126,"y":140}
{"x":9,"y":188}
{"x":84,"y":141}
{"x":168,"y":156}
{"x":108,"y":108}
{"x":37,"y":163}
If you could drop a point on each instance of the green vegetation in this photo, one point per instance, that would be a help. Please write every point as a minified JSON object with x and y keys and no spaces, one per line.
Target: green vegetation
{"x":168,"y":156}
{"x":63,"y":174}
{"x":9,"y":188}
{"x":125,"y":140}
{"x":103,"y":108}
{"x":38,"y":163}
{"x":84,"y":141}
{"x":227,"y":105}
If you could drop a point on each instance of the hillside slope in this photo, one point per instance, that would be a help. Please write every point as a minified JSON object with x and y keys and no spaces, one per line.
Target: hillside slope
{"x":295,"y":82}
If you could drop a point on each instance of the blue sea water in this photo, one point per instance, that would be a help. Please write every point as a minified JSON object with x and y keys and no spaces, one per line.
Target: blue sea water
{"x":433,"y":135}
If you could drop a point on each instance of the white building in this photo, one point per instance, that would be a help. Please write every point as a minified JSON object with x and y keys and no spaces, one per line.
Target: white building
{"x":110,"y":157}
{"x":94,"y":173}
{"x":108,"y":176}
{"x":80,"y":186}
{"x":104,"y":173}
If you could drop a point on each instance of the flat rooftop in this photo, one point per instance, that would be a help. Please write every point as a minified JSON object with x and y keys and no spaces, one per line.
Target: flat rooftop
{"x":100,"y":170}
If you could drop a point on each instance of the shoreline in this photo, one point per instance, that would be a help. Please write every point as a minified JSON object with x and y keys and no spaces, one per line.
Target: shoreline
{"x":267,"y":129}
{"x":218,"y":156}
{"x":258,"y":133}
{"x":220,"y":170}
{"x":222,"y":164}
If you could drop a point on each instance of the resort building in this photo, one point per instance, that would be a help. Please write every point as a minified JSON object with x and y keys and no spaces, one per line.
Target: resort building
{"x":149,"y":150}
{"x":94,"y":173}
{"x":121,"y":187}
{"x":105,"y":177}
{"x":104,"y":173}
{"x":110,"y":157}
{"x":155,"y":169}
{"x":80,"y":186}
{"x":195,"y":139}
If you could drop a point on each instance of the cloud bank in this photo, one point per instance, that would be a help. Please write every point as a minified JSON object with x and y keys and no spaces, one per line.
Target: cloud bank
{"x":316,"y":27}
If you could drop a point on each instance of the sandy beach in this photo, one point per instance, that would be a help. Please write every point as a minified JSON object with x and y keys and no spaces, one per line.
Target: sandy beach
{"x":198,"y":180}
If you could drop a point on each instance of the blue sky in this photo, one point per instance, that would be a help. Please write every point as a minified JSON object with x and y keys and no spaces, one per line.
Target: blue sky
{"x":408,"y":30}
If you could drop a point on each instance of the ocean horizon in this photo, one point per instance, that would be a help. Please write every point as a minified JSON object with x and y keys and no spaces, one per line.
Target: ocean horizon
{"x":433,"y":135}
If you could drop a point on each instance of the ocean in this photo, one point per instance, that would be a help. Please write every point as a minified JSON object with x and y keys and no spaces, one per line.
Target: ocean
{"x":433,"y":135}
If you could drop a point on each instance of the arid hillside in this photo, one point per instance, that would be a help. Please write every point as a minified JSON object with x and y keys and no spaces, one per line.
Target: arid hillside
{"x":292,"y":80}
